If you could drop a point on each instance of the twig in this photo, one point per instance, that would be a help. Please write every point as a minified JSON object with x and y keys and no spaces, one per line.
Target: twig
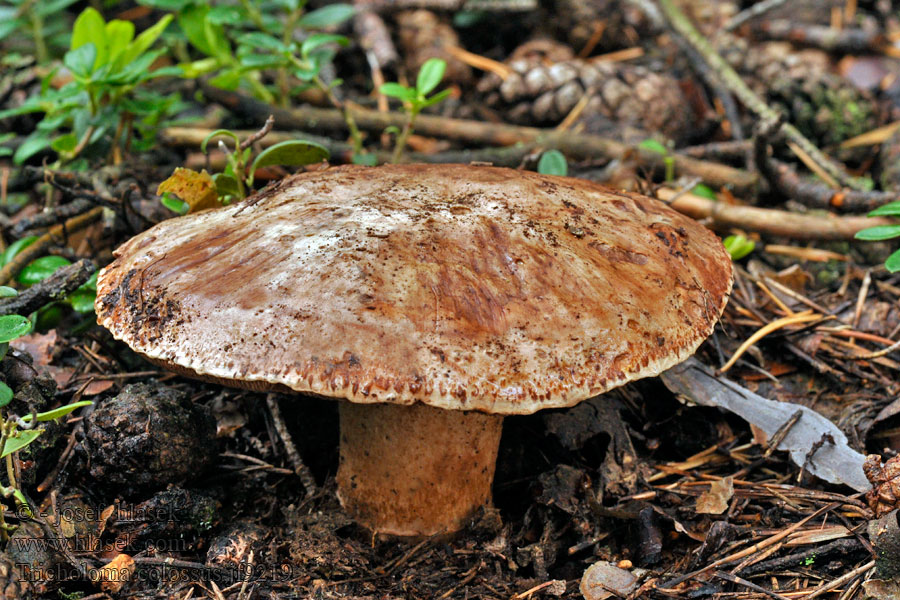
{"x":55,"y":287}
{"x":770,"y":221}
{"x":255,"y":137}
{"x":827,"y":587}
{"x":302,"y":471}
{"x":850,"y":40}
{"x":751,"y":549}
{"x":578,"y":146}
{"x":56,"y":235}
{"x":750,"y":585}
{"x":505,"y":156}
{"x":729,"y":77}
{"x":52,"y":216}
{"x":760,"y":8}
{"x":784,"y":179}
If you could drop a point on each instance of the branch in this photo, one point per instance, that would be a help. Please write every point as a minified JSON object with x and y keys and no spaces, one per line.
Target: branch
{"x":729,"y":77}
{"x":769,"y":221}
{"x":578,"y":146}
{"x":57,"y":235}
{"x":56,"y":287}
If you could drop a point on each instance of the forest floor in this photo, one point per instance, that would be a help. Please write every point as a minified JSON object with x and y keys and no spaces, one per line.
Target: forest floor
{"x":779,"y":129}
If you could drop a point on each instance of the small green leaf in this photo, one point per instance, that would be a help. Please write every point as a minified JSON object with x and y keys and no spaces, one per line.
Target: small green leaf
{"x":262,"y":41}
{"x":118,"y":38}
{"x":395,"y":90}
{"x":738,"y":246}
{"x":366,"y":160}
{"x":6,"y":394}
{"x":227,"y":15}
{"x":654,"y":146}
{"x":320,"y":39}
{"x":439,"y":97}
{"x":80,"y":61}
{"x":21,"y":439}
{"x":216,"y":133}
{"x":8,"y":292}
{"x":430,"y":75}
{"x":293,"y":152}
{"x":881,"y":232}
{"x":65,"y":143}
{"x":56,"y":413}
{"x":892,"y":264}
{"x":891,"y":209}
{"x":226,"y":185}
{"x":16,"y":247}
{"x":12,"y":327}
{"x":90,"y":284}
{"x":192,"y":20}
{"x":143,"y":42}
{"x":176,"y":205}
{"x":40,"y":269}
{"x":333,"y":14}
{"x":553,"y":162}
{"x":82,"y":301}
{"x":34,"y":143}
{"x":704,"y":191}
{"x":90,"y":28}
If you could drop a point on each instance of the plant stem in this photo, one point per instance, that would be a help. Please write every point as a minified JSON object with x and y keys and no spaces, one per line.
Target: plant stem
{"x":11,"y":471}
{"x":37,"y":32}
{"x":286,"y":37}
{"x":400,"y":144}
{"x":355,"y":135}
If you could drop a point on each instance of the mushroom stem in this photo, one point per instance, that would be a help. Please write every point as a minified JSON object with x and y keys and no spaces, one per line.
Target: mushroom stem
{"x":415,"y":470}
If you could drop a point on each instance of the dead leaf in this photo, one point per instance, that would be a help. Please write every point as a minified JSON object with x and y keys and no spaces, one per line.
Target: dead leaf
{"x":197,"y":189}
{"x":833,"y":459}
{"x":715,"y":500}
{"x":115,"y":574}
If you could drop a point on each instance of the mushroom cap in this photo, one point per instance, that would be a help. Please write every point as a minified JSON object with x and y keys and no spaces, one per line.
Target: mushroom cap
{"x":462,"y":287}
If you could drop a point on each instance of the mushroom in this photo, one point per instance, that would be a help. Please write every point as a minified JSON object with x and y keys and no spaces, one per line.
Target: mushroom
{"x":431,"y":300}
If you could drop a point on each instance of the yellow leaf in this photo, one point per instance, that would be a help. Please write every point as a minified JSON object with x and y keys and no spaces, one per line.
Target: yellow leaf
{"x":197,"y":189}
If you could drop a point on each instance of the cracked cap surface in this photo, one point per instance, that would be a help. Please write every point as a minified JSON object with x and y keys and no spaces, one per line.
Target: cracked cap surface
{"x":462,"y":287}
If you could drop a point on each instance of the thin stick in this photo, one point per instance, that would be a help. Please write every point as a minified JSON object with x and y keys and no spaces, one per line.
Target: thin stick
{"x":827,"y":587}
{"x":750,"y":99}
{"x":56,"y":235}
{"x":754,"y":11}
{"x":300,"y":468}
{"x":804,"y":317}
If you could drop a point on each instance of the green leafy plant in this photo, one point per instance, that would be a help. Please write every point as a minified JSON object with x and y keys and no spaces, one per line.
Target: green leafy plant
{"x":884,"y":232}
{"x":81,"y":300}
{"x":552,"y":162}
{"x":416,"y":98}
{"x":239,"y":42}
{"x":236,"y":55}
{"x":668,"y":160}
{"x":738,"y":246}
{"x":17,"y":432}
{"x":197,"y":191}
{"x":103,"y":106}
{"x":44,"y":23}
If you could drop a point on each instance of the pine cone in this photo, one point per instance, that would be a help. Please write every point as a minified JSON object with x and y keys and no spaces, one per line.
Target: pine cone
{"x":885,"y":479}
{"x":824,"y":106}
{"x":422,"y":35}
{"x":13,"y":584}
{"x":619,"y":95}
{"x":620,"y":24}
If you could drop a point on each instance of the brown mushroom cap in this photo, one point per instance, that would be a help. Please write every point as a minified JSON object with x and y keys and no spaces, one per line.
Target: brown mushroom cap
{"x":461,"y":287}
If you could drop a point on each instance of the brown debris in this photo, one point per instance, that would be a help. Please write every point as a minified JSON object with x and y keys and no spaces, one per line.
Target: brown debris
{"x":885,"y":494}
{"x":618,"y":94}
{"x":424,"y":35}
